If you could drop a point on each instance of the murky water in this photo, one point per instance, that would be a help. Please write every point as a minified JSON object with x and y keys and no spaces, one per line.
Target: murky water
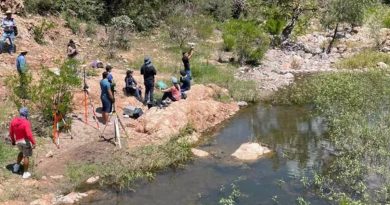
{"x":292,"y":132}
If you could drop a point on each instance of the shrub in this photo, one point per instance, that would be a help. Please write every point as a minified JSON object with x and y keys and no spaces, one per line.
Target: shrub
{"x":249,"y":43}
{"x":221,"y":10}
{"x":40,"y":30}
{"x":119,"y":32}
{"x":41,"y":7}
{"x":180,"y":29}
{"x":90,"y":30}
{"x":364,"y":59}
{"x":72,"y":23}
{"x":356,"y":107}
{"x":204,"y":27}
{"x":87,"y":10}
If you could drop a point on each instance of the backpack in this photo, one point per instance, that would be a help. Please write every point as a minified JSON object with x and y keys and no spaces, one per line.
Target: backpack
{"x":133,"y":112}
{"x":161,"y":85}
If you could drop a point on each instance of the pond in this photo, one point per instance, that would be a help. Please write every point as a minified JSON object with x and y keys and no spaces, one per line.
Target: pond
{"x":295,"y":135}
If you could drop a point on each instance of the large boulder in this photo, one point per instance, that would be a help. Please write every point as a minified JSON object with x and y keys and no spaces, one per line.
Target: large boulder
{"x":199,"y":110}
{"x":250,"y":152}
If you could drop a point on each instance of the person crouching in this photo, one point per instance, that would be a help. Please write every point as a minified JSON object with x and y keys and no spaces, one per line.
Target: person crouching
{"x":132,"y":87}
{"x":173,"y":93}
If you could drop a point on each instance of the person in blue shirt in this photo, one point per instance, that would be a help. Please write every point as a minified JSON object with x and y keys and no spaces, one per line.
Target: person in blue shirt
{"x":21,"y":67}
{"x":185,"y":80}
{"x":106,"y":96}
{"x":9,"y":27}
{"x":21,"y":63}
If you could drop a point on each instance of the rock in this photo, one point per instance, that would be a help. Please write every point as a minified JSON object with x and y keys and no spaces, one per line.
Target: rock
{"x":44,"y":177}
{"x":71,"y":198}
{"x":16,"y":6}
{"x":93,"y":180}
{"x":250,"y":152}
{"x":225,"y":57}
{"x":47,"y":199}
{"x":49,"y":154}
{"x":288,"y":75}
{"x":382,"y":65}
{"x":57,"y":177}
{"x":242,"y":104}
{"x":199,"y":153}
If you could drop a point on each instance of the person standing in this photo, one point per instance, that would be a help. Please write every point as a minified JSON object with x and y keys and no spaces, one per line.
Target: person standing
{"x":72,"y":50}
{"x":21,"y":67}
{"x":21,"y":136}
{"x":186,"y":61}
{"x":9,"y":31}
{"x":148,"y":71}
{"x":106,"y":97}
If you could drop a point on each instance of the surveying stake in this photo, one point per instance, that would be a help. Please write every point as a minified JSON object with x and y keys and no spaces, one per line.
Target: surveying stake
{"x":87,"y":98}
{"x":117,"y":123}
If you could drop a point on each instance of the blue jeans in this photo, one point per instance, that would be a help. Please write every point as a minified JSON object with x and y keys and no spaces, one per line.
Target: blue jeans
{"x":189,"y":74}
{"x":11,"y":37}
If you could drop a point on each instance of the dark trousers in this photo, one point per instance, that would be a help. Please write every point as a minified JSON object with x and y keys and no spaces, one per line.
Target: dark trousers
{"x":149,"y":89}
{"x":168,"y":95}
{"x":135,"y":92}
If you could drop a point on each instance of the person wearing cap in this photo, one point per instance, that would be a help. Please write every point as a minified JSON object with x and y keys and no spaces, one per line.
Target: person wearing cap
{"x":21,"y":136}
{"x":9,"y":27}
{"x":72,"y":50}
{"x":173,"y":93}
{"x":148,"y":71}
{"x":131,"y":86}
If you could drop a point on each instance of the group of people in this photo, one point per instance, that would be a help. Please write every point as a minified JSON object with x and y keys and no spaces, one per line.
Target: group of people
{"x":148,"y":71}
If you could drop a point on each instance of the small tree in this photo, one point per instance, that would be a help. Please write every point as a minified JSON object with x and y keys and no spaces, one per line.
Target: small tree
{"x":344,"y":11}
{"x":246,"y":39}
{"x":40,"y":30}
{"x":119,"y":33}
{"x":180,"y":29}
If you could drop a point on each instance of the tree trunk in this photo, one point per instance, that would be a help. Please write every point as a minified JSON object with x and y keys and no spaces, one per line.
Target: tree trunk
{"x":290,"y":26}
{"x":329,"y":49}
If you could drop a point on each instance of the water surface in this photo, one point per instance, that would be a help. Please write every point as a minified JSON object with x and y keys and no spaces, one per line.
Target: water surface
{"x":292,"y":132}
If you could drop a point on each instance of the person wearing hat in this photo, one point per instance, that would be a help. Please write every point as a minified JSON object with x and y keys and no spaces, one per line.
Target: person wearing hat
{"x":148,"y":71}
{"x":131,"y":86}
{"x":9,"y":27}
{"x":21,"y":136}
{"x":21,"y":63}
{"x":21,"y":67}
{"x":173,"y":93}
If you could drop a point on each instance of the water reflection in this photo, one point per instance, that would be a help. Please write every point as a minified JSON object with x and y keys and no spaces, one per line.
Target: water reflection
{"x":294,"y":134}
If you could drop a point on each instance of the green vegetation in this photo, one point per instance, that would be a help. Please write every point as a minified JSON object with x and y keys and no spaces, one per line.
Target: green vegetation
{"x":7,"y":154}
{"x":364,"y":59}
{"x":50,"y":90}
{"x":40,"y":30}
{"x":246,"y":39}
{"x":356,"y":106}
{"x":142,"y":163}
{"x":233,"y":197}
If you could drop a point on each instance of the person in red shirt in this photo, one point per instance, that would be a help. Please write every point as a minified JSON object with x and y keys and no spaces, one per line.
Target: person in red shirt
{"x":21,"y":136}
{"x":173,"y":93}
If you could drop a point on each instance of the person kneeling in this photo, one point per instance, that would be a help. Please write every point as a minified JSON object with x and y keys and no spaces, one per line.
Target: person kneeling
{"x":173,"y":93}
{"x":132,"y":86}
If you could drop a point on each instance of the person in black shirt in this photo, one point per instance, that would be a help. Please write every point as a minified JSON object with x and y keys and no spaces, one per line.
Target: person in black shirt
{"x":186,"y":61}
{"x":132,"y":86}
{"x":148,"y":71}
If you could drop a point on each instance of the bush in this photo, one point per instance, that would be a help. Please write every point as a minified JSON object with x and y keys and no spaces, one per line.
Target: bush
{"x":91,"y":29}
{"x":41,"y":7}
{"x":356,"y":107}
{"x":364,"y":59}
{"x":249,"y":43}
{"x":40,"y":30}
{"x":180,"y":29}
{"x":87,"y":10}
{"x":73,"y":23}
{"x":221,"y":10}
{"x":119,"y":33}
